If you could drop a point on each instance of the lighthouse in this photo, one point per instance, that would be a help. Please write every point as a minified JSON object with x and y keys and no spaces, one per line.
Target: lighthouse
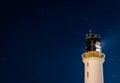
{"x":93,"y":60}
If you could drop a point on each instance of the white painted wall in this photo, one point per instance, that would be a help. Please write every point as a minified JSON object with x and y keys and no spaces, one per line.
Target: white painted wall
{"x":95,"y":69}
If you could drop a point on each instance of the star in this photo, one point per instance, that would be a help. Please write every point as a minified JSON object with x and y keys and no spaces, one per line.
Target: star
{"x":114,"y":76}
{"x":112,"y":59}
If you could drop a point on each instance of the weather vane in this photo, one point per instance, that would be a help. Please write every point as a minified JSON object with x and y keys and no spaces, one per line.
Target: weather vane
{"x":91,"y":28}
{"x":90,"y":31}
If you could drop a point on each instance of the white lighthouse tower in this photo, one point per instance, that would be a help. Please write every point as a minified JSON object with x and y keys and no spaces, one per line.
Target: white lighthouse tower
{"x":93,"y":60}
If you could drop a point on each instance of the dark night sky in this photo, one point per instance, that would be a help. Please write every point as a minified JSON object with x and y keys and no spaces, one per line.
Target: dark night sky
{"x":42,"y":41}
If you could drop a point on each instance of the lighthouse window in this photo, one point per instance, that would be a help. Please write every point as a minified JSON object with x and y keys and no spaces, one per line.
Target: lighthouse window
{"x":87,"y":64}
{"x":87,"y":74}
